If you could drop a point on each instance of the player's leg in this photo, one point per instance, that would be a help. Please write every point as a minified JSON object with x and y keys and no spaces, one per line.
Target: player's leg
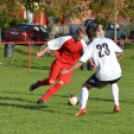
{"x":39,"y":83}
{"x":84,"y":95}
{"x":91,"y":82}
{"x":115,"y":95}
{"x":83,"y":99}
{"x":47,"y":81}
{"x":51,"y":91}
{"x":53,"y":73}
{"x":65,"y":78}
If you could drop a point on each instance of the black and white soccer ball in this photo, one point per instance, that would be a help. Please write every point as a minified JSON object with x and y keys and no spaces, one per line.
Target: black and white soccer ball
{"x":73,"y":100}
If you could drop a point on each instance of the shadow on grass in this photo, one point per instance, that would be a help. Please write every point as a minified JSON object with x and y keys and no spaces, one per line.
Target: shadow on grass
{"x":20,"y":49}
{"x":100,"y":99}
{"x":24,"y":106}
{"x":32,"y":67}
{"x":15,"y":99}
{"x":103,"y":112}
{"x":63,"y":96}
{"x":43,"y":107}
{"x":108,"y":100}
{"x":32,"y":106}
{"x":21,"y":65}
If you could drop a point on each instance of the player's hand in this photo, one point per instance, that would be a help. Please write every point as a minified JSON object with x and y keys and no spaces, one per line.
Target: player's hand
{"x":93,"y":66}
{"x":38,"y":54}
{"x":64,"y":71}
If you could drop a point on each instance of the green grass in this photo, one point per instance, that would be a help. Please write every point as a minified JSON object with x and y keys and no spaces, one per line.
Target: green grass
{"x":19,"y":113}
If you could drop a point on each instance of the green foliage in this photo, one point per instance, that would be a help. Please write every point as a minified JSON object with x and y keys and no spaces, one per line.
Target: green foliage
{"x":128,"y":11}
{"x":56,"y":9}
{"x":106,"y":9}
{"x":102,"y":9}
{"x":17,"y":21}
{"x":52,"y":8}
{"x":9,"y":11}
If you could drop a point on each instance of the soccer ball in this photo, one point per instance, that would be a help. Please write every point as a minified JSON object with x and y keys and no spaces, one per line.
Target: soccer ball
{"x":73,"y":100}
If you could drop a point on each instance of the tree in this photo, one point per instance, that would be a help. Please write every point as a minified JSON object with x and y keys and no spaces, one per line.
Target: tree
{"x":9,"y":11}
{"x":56,"y":8}
{"x":128,"y":11}
{"x":106,"y":9}
{"x":110,"y":10}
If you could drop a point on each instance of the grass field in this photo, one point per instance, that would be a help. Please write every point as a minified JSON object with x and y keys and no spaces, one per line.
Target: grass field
{"x":19,"y":113}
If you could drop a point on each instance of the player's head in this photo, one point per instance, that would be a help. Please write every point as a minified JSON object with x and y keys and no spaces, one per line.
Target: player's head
{"x":80,"y":34}
{"x":91,"y":31}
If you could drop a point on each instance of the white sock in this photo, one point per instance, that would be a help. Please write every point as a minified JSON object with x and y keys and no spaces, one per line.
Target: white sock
{"x":115,"y":94}
{"x":84,"y":97}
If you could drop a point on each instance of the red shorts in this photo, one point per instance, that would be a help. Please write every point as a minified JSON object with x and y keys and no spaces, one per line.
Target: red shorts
{"x":55,"y":72}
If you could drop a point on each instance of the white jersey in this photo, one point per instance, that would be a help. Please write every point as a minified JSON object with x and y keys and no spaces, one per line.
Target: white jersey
{"x":103,"y":52}
{"x":57,"y":43}
{"x":86,"y":40}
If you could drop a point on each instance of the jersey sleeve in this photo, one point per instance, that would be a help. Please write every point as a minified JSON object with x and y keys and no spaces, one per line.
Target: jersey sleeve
{"x":87,"y":54}
{"x":117,"y":48}
{"x":56,"y":44}
{"x":84,"y":45}
{"x":86,"y":40}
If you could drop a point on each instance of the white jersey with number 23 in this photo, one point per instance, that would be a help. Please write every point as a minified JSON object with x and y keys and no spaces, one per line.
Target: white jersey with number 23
{"x":103,"y":52}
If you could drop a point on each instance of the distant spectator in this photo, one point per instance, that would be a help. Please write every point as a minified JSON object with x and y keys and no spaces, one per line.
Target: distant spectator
{"x":100,"y":32}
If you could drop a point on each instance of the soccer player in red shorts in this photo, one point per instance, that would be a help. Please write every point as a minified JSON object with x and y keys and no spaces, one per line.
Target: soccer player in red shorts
{"x":67,"y":51}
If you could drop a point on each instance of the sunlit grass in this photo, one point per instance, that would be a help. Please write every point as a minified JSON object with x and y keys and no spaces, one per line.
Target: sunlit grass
{"x":19,"y":112}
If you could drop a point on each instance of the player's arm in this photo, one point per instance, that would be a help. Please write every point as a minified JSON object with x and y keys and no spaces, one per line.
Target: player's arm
{"x":54,"y":44}
{"x":92,"y":63}
{"x":118,"y":50}
{"x":39,"y":54}
{"x":119,"y":54}
{"x":73,"y":67}
{"x":82,"y":60}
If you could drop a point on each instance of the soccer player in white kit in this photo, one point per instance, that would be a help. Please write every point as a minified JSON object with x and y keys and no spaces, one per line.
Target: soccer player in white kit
{"x":102,"y":55}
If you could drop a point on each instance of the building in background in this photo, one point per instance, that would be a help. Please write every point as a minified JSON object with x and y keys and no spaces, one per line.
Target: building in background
{"x":32,"y":18}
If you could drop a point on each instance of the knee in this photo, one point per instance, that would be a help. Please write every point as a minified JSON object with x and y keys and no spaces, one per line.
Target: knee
{"x":61,"y":82}
{"x":51,"y":81}
{"x":84,"y":85}
{"x":87,"y":86}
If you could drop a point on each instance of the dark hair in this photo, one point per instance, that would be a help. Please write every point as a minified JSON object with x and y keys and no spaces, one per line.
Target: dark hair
{"x":91,"y":31}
